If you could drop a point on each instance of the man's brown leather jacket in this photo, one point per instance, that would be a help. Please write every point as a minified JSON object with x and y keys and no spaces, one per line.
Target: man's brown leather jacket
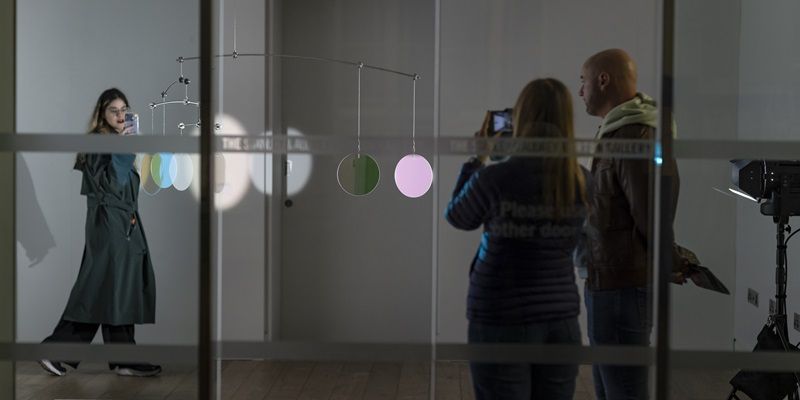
{"x":619,"y":235}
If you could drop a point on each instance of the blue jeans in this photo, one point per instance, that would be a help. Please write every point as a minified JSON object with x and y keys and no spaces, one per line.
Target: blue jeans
{"x":619,"y":317}
{"x":525,"y":381}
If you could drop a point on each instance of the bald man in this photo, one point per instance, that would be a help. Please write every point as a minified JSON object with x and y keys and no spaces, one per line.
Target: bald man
{"x":617,"y":290}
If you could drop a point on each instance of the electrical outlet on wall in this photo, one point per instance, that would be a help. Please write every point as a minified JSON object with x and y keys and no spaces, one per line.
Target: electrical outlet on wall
{"x":797,"y":322}
{"x":752,"y":297}
{"x":772,"y":306}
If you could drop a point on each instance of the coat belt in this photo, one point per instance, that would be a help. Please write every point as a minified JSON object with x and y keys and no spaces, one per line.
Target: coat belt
{"x":110,"y":202}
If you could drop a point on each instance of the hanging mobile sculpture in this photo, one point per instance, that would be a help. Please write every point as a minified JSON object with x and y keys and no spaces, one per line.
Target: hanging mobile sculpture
{"x":413,"y":174}
{"x":357,"y":174}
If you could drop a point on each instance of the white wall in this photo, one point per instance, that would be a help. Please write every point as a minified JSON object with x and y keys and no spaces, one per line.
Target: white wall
{"x":490,"y":50}
{"x":68,"y":52}
{"x":706,"y":103}
{"x":242,"y":232}
{"x":367,"y":277}
{"x":360,"y":268}
{"x":769,"y":98}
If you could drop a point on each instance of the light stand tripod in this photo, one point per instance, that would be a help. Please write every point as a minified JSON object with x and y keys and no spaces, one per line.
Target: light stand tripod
{"x":774,"y":336}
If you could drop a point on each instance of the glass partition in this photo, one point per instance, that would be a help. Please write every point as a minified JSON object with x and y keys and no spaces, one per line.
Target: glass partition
{"x":325,"y":292}
{"x":734,"y":103}
{"x":358,"y":248}
{"x":488,"y":53}
{"x":89,"y":251}
{"x":106,"y":252}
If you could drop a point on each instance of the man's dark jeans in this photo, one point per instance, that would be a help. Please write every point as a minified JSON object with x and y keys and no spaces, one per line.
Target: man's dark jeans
{"x":525,"y":381}
{"x":619,"y":317}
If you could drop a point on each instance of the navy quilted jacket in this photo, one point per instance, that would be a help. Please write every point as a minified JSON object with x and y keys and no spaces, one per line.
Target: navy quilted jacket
{"x":523,"y":270}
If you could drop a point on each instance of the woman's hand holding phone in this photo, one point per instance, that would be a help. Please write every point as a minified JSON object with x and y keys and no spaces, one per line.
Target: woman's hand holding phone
{"x":483,"y":133}
{"x":487,"y":132}
{"x":131,"y":124}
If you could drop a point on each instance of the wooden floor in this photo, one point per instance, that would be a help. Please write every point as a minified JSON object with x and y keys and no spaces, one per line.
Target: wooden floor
{"x":264,"y":380}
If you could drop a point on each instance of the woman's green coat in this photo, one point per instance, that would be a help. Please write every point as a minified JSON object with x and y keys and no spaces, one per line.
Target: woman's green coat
{"x":116,"y":283}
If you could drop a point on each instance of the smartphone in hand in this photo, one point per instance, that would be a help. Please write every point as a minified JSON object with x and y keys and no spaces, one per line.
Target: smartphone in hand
{"x":501,"y":127}
{"x":132,"y":123}
{"x":501,"y":122}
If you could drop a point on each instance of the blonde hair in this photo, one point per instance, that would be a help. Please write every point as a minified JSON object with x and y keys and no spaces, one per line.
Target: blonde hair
{"x":544,"y":110}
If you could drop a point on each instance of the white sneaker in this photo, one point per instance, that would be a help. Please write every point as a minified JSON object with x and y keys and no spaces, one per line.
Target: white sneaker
{"x":138,"y":370}
{"x":53,"y":367}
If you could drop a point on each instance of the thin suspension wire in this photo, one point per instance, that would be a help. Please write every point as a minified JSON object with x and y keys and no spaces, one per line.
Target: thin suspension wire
{"x":375,"y":67}
{"x":291,"y":56}
{"x":358,"y":115}
{"x":361,"y":65}
{"x":234,"y":28}
{"x":164,"y":118}
{"x":180,"y":78}
{"x":414,"y":115}
{"x":198,"y":119}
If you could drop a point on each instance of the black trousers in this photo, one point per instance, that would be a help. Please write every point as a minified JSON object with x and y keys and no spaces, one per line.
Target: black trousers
{"x":81,"y":332}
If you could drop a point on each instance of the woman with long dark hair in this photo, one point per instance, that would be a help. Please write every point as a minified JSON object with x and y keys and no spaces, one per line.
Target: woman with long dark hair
{"x":115,"y":287}
{"x":522,"y":281}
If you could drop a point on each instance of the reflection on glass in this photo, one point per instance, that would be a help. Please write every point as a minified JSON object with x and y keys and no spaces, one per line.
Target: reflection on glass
{"x":413,"y":175}
{"x":230,"y":179}
{"x":148,"y":185}
{"x":219,"y":173}
{"x":184,"y":173}
{"x":163,"y":170}
{"x":358,"y":174}
{"x":298,"y":169}
{"x":230,"y":169}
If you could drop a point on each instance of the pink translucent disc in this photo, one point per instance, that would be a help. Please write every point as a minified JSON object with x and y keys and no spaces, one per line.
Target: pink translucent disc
{"x":413,"y":175}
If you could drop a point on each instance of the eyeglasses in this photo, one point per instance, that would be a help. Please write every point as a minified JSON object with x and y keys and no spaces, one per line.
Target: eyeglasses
{"x":116,"y":111}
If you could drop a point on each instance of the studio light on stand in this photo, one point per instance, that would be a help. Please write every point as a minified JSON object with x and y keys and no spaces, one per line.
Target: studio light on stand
{"x":775,"y":186}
